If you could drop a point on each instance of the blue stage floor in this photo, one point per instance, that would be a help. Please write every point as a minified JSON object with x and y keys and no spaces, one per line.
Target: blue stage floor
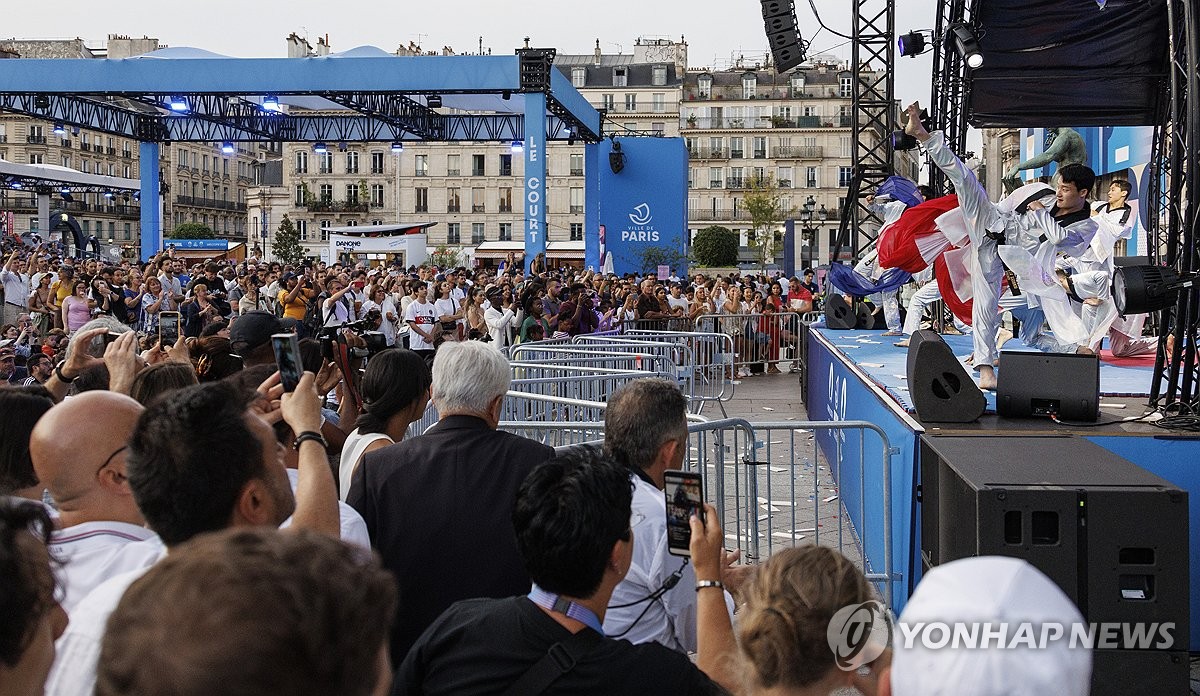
{"x":885,"y":364}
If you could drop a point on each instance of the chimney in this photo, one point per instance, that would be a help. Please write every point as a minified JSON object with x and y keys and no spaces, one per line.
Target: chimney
{"x":596,"y":54}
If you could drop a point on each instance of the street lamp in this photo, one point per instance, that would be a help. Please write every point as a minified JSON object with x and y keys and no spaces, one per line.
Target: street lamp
{"x":807,"y":231}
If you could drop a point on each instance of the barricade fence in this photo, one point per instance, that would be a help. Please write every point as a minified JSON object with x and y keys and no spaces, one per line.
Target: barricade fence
{"x":761,"y":342}
{"x":711,"y":352}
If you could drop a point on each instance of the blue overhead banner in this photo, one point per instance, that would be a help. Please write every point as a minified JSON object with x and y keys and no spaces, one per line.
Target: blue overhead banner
{"x":534,"y":198}
{"x":641,"y":221}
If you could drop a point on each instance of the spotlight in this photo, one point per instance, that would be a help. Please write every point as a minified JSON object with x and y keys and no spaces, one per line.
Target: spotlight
{"x":342,"y":146}
{"x":397,"y":146}
{"x":108,"y":195}
{"x":1143,"y":289}
{"x":228,"y":148}
{"x":320,"y":148}
{"x":434,"y":101}
{"x":178,"y":103}
{"x":517,"y":146}
{"x":616,"y":158}
{"x":902,"y":141}
{"x":911,"y":44}
{"x":570,"y":137}
{"x":59,"y":128}
{"x":42,"y":102}
{"x":15,"y":184}
{"x":506,"y":94}
{"x":271,"y":103}
{"x":967,"y":45}
{"x":66,"y":194}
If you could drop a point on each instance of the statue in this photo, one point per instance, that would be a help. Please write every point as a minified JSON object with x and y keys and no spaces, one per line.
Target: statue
{"x":1066,"y":147}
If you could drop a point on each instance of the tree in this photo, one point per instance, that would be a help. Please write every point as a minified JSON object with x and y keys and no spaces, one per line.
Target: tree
{"x":652,"y":257}
{"x":715,"y":246}
{"x":444,"y":257}
{"x":286,"y":245}
{"x":767,"y":210}
{"x":192,"y":230}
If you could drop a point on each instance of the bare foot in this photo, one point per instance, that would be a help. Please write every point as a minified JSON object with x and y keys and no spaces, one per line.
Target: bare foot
{"x":892,"y":333}
{"x":1084,"y":350}
{"x":914,"y":127}
{"x":987,"y":377}
{"x":1003,"y":336}
{"x":901,"y":344}
{"x":969,"y":360}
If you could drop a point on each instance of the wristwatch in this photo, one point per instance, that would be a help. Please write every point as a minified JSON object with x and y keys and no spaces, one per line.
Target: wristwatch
{"x":59,"y":373}
{"x":310,"y":435}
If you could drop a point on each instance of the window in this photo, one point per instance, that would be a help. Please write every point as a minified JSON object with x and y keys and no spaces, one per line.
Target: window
{"x":578,"y":77}
{"x":783,"y":177}
{"x":203,"y":167}
{"x":811,"y":111}
{"x":620,"y":77}
{"x":735,"y":178}
{"x":203,"y":188}
{"x":477,"y":165}
{"x":844,"y":86}
{"x":658,"y":128}
{"x":326,"y":193}
{"x":506,"y":199}
{"x":576,"y":164}
{"x":324,"y":230}
{"x":351,"y":162}
{"x":326,"y":162}
{"x":422,"y":205}
{"x":506,"y":164}
{"x":797,"y":84}
{"x":302,"y":228}
{"x":630,"y":101}
{"x":716,"y":146}
{"x":736,"y":148}
{"x":576,"y":231}
{"x":608,"y":102}
{"x":760,"y":147}
{"x":477,"y":200}
{"x":126,"y":171}
{"x":301,"y":161}
{"x":376,"y":162}
{"x":452,"y":165}
{"x":352,"y":223}
{"x":453,"y":203}
{"x":810,"y":178}
{"x":658,"y":100}
{"x":225,"y":167}
{"x":749,"y":84}
{"x":845,"y":174}
{"x":576,"y":200}
{"x":477,"y":233}
{"x":704,"y":86}
{"x":506,"y":231}
{"x":36,"y":159}
{"x":377,"y":195}
{"x":714,"y":177}
{"x":658,"y":77}
{"x":421,"y":163}
{"x":844,"y":144}
{"x":453,"y":234}
{"x":693,"y":176}
{"x":128,"y":232}
{"x":66,"y":162}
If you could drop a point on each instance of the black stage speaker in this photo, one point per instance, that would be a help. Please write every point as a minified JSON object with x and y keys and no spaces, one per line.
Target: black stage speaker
{"x":941,"y":390}
{"x":1032,"y":384}
{"x":783,"y":34}
{"x":839,"y":314}
{"x":865,"y":319}
{"x":1112,"y":535}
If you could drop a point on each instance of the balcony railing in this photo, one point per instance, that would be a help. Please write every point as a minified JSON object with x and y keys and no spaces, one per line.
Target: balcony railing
{"x":127,"y":154}
{"x":421,"y":209}
{"x":453,"y":208}
{"x":210,"y":203}
{"x":505,"y":208}
{"x":110,"y":150}
{"x":577,"y":172}
{"x":35,"y":139}
{"x":737,"y":184}
{"x":799,"y":151}
{"x":478,"y":208}
{"x":3,"y":138}
{"x":710,"y":214}
{"x":714,"y":184}
{"x":452,"y":172}
{"x":376,"y":204}
{"x":18,"y":202}
{"x":704,"y":153}
{"x":65,"y":143}
{"x":328,"y":206}
{"x":85,"y":146}
{"x":507,"y":171}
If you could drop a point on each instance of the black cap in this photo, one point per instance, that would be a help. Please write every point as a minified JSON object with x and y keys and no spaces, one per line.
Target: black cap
{"x":253,"y":329}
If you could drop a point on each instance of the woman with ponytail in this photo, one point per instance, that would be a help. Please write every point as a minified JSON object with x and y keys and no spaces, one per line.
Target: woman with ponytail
{"x":395,"y":391}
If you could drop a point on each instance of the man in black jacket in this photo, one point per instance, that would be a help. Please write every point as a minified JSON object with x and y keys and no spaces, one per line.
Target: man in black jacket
{"x":438,"y":507}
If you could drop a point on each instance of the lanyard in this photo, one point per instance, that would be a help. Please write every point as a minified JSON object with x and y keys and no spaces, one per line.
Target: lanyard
{"x":566,"y":607}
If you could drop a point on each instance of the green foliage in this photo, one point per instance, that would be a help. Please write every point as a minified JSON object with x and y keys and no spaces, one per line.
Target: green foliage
{"x":715,"y":246}
{"x":652,"y":257}
{"x":192,"y":230}
{"x":767,"y":211}
{"x":445,"y":257}
{"x":286,"y":245}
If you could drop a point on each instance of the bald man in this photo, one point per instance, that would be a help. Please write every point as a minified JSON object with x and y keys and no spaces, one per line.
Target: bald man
{"x":78,"y":452}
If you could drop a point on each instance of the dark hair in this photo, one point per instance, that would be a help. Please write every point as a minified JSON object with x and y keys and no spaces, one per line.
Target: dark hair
{"x":311,"y":358}
{"x":394,"y":379}
{"x":926,"y":191}
{"x":189,"y":460}
{"x":214,"y":358}
{"x":25,"y":597}
{"x":1080,"y":175}
{"x":299,"y":613}
{"x":214,"y":327}
{"x":641,"y":416}
{"x":1122,"y":184}
{"x":159,"y":379}
{"x":569,"y":513}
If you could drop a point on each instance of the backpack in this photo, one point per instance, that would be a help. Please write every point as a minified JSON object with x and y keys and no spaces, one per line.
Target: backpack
{"x":314,"y":319}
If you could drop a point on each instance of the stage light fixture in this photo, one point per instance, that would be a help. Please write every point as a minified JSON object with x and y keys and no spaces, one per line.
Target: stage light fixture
{"x":42,"y":102}
{"x":967,"y":45}
{"x":59,"y":128}
{"x":228,"y":148}
{"x":570,"y":137}
{"x":1144,"y":289}
{"x":616,"y":158}
{"x":506,"y":95}
{"x":517,"y":146}
{"x":911,"y":44}
{"x":320,"y":148}
{"x":271,"y":103}
{"x":902,"y":142}
{"x":434,"y":101}
{"x":178,"y":103}
{"x":66,"y":194}
{"x":108,"y":195}
{"x":397,"y":146}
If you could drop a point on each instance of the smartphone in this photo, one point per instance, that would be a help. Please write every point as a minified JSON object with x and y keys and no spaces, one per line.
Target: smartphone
{"x":110,"y":337}
{"x":287,"y":358}
{"x":685,"y":495}
{"x":168,"y":329}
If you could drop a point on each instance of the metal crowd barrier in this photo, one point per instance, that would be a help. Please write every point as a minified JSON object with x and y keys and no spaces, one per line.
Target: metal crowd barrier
{"x":571,"y":382}
{"x":576,"y":420}
{"x":581,"y":356}
{"x":762,"y":342}
{"x":710,"y":354}
{"x":669,"y":324}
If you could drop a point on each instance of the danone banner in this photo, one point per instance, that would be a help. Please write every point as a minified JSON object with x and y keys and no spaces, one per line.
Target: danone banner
{"x":641,"y":220}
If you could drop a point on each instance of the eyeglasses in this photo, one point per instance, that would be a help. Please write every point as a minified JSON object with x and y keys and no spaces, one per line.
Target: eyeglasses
{"x":108,"y":461}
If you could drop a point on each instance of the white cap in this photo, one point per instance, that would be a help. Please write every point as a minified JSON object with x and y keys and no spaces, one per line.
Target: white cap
{"x":991,"y":589}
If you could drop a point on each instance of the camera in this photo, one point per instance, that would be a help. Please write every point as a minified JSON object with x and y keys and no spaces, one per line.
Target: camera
{"x":375,"y":341}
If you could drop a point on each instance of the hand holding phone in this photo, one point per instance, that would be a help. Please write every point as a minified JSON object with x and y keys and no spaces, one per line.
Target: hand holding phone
{"x":684,"y":491}
{"x":287,"y":358}
{"x":168,"y":329}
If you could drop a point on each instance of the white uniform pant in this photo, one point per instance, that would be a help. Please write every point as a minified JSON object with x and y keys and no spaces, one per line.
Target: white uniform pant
{"x":926,"y":295}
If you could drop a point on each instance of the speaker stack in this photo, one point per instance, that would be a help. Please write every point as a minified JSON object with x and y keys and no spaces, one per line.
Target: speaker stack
{"x":838,"y":313}
{"x":1033,"y":384}
{"x":941,"y":390}
{"x":783,"y":34}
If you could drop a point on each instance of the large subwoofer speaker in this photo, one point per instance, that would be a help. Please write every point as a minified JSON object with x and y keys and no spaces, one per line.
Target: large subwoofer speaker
{"x":838,"y":313}
{"x":1035,"y":384}
{"x":941,"y":390}
{"x":783,"y":33}
{"x":1112,"y":535}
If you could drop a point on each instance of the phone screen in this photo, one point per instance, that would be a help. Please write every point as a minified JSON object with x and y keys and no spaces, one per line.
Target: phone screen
{"x":168,"y":329}
{"x":685,"y":495}
{"x":287,"y":358}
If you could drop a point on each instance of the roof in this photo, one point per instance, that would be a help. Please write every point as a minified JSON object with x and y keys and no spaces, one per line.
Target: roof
{"x":636,"y":74}
{"x":394,"y":229}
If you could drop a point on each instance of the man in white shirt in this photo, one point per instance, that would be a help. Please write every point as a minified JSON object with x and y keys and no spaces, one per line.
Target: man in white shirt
{"x":78,"y":451}
{"x":16,"y":288}
{"x":421,"y":317}
{"x":645,"y":428}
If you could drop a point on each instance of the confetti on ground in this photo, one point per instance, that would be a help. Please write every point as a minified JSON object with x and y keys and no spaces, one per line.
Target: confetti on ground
{"x":839,"y":345}
{"x":778,"y":469}
{"x":763,"y":517}
{"x":785,"y":535}
{"x":767,"y":408}
{"x":871,"y":364}
{"x":806,"y":529}
{"x":831,"y":498}
{"x":800,"y":430}
{"x":904,"y":377}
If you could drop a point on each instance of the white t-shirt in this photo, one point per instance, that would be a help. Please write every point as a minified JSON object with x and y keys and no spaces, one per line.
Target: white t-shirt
{"x":425,"y":316}
{"x":680,"y":301}
{"x":447,"y":307}
{"x":92,"y":552}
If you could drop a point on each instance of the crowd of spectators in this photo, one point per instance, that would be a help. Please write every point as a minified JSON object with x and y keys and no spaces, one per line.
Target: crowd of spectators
{"x":173,"y":521}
